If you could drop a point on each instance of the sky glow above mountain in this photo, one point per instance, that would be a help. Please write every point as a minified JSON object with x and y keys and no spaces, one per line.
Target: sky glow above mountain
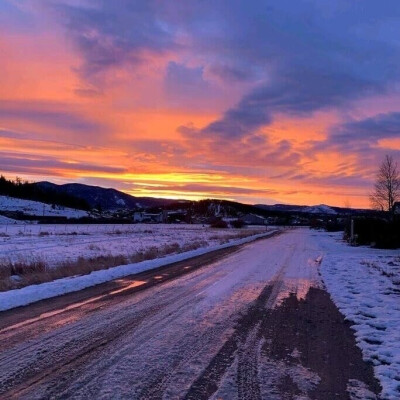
{"x":257,"y":101}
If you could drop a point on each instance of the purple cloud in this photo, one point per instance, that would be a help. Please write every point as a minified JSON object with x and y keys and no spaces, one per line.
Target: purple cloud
{"x":27,"y":163}
{"x":48,"y":114}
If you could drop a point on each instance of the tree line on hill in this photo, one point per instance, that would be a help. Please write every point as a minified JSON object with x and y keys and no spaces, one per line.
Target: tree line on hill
{"x":28,"y":191}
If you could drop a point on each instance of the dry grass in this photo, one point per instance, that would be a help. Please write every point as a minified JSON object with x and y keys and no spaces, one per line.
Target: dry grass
{"x":228,"y":236}
{"x":194,"y":245}
{"x":12,"y":274}
{"x":94,"y":247}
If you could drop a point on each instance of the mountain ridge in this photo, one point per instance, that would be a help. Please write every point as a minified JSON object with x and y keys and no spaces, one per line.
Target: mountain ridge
{"x":104,"y":198}
{"x":112,"y":199}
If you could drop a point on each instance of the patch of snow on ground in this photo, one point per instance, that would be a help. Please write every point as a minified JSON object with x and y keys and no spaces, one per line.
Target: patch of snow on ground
{"x":358,"y":391}
{"x":365,"y":285}
{"x":272,"y":372}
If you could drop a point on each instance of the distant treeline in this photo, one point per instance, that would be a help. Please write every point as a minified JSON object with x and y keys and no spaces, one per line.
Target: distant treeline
{"x":207,"y":207}
{"x":30,"y":191}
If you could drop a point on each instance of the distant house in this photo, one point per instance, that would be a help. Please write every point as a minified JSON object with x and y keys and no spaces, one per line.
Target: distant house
{"x":138,"y":216}
{"x":396,"y":208}
{"x":253,"y":219}
{"x":141,"y":216}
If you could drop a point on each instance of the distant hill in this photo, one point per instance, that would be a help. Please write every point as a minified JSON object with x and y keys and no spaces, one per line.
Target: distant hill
{"x":111,"y":199}
{"x":24,"y":190}
{"x":106,"y":198}
{"x":12,"y":207}
{"x":321,"y":209}
{"x":280,"y":207}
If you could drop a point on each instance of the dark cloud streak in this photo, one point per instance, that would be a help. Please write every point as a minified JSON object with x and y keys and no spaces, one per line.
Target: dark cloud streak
{"x":60,"y":116}
{"x":27,"y":163}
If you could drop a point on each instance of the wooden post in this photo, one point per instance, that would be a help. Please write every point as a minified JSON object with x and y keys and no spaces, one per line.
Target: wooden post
{"x":352,"y":231}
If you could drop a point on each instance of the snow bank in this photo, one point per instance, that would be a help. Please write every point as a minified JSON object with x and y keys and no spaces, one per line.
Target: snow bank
{"x":365,"y":285}
{"x":33,"y":293}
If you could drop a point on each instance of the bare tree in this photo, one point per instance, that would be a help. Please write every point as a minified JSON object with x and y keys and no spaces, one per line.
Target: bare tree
{"x":387,"y":185}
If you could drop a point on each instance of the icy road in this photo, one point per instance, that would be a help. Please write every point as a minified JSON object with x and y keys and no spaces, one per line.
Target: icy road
{"x":249,"y":323}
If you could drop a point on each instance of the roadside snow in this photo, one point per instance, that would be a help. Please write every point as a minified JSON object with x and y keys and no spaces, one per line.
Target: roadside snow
{"x":33,"y":293}
{"x":365,"y":285}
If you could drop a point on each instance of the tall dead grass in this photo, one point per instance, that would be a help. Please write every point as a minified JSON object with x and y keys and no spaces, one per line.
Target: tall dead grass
{"x":228,"y":236}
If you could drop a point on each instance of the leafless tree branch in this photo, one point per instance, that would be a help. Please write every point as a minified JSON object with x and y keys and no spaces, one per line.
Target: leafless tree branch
{"x":387,"y":185}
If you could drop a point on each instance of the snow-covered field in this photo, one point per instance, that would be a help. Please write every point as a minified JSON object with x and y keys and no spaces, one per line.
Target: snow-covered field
{"x":31,"y":207}
{"x":60,"y":244}
{"x":19,"y":297}
{"x":365,"y":285}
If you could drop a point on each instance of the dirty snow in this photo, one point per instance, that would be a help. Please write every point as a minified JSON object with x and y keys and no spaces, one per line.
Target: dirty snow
{"x":365,"y":285}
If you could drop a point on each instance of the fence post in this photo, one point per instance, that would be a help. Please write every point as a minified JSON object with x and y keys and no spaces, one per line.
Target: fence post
{"x":352,"y":231}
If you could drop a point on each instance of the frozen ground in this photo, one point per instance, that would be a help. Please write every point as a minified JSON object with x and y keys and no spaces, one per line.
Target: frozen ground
{"x":365,"y":285}
{"x":60,"y":244}
{"x":31,"y":207}
{"x":256,"y":324}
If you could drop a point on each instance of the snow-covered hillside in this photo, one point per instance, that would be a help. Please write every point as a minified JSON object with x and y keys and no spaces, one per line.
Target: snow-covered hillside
{"x":319,"y":209}
{"x":6,"y":221}
{"x":31,"y":207}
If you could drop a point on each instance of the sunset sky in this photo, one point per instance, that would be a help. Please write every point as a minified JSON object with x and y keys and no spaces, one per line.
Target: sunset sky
{"x":289,"y":101}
